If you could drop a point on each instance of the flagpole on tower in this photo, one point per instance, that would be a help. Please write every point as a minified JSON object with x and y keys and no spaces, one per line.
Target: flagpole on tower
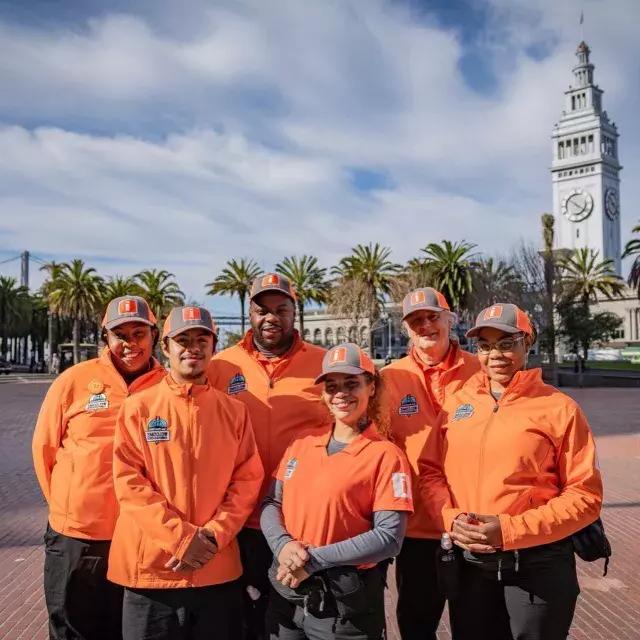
{"x":582,"y":26}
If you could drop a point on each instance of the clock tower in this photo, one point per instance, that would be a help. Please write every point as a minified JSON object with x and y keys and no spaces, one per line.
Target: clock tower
{"x":585,"y":168}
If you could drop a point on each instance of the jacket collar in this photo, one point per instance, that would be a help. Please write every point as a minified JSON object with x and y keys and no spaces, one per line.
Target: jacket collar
{"x":186,"y":389}
{"x":248,"y":345}
{"x":523,"y":383}
{"x":370,"y":434}
{"x":452,"y":360}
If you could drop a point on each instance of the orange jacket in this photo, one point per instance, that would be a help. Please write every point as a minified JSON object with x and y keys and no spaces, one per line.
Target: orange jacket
{"x":281,"y":397}
{"x":73,"y":445}
{"x":415,"y":393}
{"x":184,"y":457}
{"x":528,"y":458}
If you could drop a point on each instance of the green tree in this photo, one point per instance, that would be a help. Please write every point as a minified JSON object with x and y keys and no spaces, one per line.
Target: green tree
{"x":78,"y":296}
{"x":632,"y":248}
{"x":53,"y":270}
{"x":119,"y":286}
{"x":494,"y":281}
{"x":308,"y":280}
{"x":160,"y":290}
{"x":368,"y":276}
{"x":12,"y":299}
{"x":451,"y":265}
{"x":584,"y":276}
{"x":235,"y":280}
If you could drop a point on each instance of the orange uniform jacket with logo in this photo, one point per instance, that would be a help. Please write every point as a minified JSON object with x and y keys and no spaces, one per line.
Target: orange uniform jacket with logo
{"x":327,"y":499}
{"x":184,"y":457}
{"x":416,"y":394}
{"x":528,"y":458}
{"x":282,"y":400}
{"x":73,"y":445}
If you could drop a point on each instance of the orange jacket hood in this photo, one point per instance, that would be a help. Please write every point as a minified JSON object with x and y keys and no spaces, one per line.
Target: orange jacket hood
{"x":528,"y":458}
{"x":73,"y":445}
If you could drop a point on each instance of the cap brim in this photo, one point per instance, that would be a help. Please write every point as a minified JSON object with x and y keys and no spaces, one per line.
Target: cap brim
{"x":349,"y":369}
{"x":429,"y":308}
{"x":507,"y":328}
{"x":118,"y":321}
{"x":272,"y":290}
{"x":176,"y":332}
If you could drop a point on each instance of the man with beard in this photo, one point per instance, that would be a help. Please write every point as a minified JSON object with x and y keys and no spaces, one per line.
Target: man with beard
{"x":417,"y":386}
{"x":187,"y":475}
{"x":272,"y":371}
{"x":72,"y":456}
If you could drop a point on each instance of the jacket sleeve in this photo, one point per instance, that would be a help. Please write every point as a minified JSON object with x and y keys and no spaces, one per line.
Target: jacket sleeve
{"x":244,"y":488}
{"x":137,"y":495}
{"x":432,"y":484}
{"x":579,"y":501}
{"x":48,"y":433}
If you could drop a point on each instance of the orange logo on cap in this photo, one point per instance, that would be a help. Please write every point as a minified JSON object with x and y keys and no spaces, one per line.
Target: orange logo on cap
{"x":418,"y":297}
{"x":339,"y":355}
{"x":191,"y":313}
{"x":271,"y":280}
{"x":127,"y":306}
{"x":493,"y":312}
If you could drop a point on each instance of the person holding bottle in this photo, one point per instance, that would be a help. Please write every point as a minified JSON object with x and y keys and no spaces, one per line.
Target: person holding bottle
{"x":520,"y":462}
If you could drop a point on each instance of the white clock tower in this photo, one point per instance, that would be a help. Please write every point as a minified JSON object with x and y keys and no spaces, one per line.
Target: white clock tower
{"x":585,"y":168}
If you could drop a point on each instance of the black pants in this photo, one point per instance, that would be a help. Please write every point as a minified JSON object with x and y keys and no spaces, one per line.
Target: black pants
{"x":81,"y":602}
{"x":256,"y":559}
{"x":420,"y":603}
{"x":199,"y":613}
{"x":536,"y":602}
{"x":288,"y":621}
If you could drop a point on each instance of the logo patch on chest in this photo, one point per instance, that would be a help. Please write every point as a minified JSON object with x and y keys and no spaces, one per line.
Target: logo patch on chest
{"x":157,"y":430}
{"x":408,"y":406}
{"x":237,"y":384}
{"x":97,"y":401}
{"x":463,"y":411}
{"x":292,"y":463}
{"x":401,"y":486}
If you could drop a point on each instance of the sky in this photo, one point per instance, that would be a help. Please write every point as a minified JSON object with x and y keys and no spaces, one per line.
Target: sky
{"x":155,"y":134}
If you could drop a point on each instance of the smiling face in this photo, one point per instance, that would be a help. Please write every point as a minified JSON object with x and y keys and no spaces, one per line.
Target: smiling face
{"x":500,"y":366}
{"x":189,"y":354}
{"x":272,"y":315}
{"x":347,"y":396}
{"x":429,"y":332}
{"x":131,"y":346}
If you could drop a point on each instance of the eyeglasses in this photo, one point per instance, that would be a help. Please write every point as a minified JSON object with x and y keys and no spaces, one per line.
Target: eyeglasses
{"x":503,"y":346}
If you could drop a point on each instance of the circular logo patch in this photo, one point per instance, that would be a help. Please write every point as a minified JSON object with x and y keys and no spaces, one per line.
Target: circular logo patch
{"x":96,"y":386}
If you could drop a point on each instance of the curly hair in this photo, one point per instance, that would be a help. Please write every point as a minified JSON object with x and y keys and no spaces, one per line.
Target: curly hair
{"x":378,"y":409}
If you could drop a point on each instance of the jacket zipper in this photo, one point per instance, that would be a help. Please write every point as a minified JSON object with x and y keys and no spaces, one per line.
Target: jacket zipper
{"x":190,"y":458}
{"x":483,"y":439}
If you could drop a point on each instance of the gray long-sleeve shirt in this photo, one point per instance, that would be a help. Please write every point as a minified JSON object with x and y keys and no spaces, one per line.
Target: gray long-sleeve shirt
{"x":381,"y":542}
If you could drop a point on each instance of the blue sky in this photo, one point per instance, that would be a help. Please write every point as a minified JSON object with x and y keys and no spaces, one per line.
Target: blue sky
{"x":155,"y":133}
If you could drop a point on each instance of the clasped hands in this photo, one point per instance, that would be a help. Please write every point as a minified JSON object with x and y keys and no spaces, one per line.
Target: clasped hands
{"x":200,"y":550}
{"x":292,"y":560}
{"x":477,"y":533}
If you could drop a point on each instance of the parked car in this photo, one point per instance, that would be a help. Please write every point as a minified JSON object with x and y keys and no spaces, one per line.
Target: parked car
{"x":5,"y":367}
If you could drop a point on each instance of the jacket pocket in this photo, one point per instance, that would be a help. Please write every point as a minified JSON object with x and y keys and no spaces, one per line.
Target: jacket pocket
{"x":153,"y":558}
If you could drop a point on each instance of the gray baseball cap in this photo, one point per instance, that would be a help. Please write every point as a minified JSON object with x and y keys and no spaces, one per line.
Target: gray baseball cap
{"x":127,"y":309}
{"x":504,"y":316}
{"x":346,"y":358}
{"x":426,"y":298}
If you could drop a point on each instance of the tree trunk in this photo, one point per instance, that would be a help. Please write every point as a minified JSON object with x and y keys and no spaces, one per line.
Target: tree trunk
{"x":76,"y":340}
{"x":301,"y":317}
{"x":50,"y":339}
{"x":242,"y":315}
{"x":371,"y":353}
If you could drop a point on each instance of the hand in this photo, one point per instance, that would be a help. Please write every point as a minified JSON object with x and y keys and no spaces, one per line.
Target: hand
{"x":293,"y":578}
{"x":477,"y":533}
{"x":201,"y":549}
{"x":293,"y":555}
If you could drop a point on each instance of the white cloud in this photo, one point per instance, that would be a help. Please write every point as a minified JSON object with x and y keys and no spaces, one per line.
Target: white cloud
{"x":143,"y":146}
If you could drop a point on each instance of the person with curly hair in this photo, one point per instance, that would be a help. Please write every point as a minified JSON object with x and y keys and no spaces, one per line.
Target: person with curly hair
{"x":337,"y":512}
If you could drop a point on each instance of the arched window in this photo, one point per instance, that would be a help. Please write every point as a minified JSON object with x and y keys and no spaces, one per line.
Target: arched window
{"x":317,"y":336}
{"x":306,"y":336}
{"x":353,"y":333}
{"x":364,"y":337}
{"x":328,"y":337}
{"x":341,"y":335}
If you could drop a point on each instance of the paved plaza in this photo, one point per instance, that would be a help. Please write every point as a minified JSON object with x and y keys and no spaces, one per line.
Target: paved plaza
{"x":608,"y":609}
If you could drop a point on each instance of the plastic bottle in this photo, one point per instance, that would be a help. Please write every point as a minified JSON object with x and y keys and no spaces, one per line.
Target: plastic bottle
{"x":448,"y":566}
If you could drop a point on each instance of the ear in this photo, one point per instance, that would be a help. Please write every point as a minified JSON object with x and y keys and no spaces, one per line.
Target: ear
{"x":165,"y":346}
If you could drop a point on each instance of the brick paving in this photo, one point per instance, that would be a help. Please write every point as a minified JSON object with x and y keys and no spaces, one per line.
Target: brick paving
{"x":608,"y":608}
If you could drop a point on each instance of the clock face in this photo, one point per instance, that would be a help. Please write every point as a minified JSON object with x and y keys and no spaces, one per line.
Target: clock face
{"x":611,"y":206}
{"x":578,"y":205}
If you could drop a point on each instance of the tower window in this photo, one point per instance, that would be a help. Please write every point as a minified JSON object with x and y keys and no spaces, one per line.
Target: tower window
{"x":590,"y":140}
{"x":583,"y":145}
{"x":573,"y":103}
{"x":560,"y":150}
{"x":575,"y":146}
{"x":577,"y":233}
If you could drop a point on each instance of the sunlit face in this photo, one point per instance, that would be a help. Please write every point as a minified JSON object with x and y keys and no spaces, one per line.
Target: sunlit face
{"x":429,"y":331}
{"x":131,"y":346}
{"x":507,"y":354}
{"x":189,"y":354}
{"x":272,"y":315}
{"x":347,"y":396}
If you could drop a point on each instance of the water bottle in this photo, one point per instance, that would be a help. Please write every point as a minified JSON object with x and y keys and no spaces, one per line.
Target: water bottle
{"x":448,"y":567}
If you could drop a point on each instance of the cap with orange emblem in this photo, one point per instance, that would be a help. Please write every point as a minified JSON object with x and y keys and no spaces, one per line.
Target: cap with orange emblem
{"x":346,"y":358}
{"x":184,"y":318}
{"x":506,"y":317}
{"x":272,"y":282}
{"x":425,"y":298}
{"x":127,"y":309}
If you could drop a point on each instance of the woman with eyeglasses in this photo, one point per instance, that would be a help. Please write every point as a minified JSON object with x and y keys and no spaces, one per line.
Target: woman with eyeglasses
{"x":337,"y":512}
{"x":520,"y":461}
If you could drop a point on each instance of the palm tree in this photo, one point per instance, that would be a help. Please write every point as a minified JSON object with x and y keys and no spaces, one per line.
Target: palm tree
{"x":633,"y":248}
{"x":493,"y":281}
{"x":159,"y":289}
{"x":584,"y":277}
{"x":308,"y":280}
{"x":368,"y":272}
{"x":119,"y":286}
{"x":12,"y":299}
{"x":77,"y":295}
{"x":53,"y":269}
{"x":235,"y":280}
{"x":451,"y":264}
